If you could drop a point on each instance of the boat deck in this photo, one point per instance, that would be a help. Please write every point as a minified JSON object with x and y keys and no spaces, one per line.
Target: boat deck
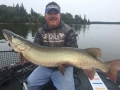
{"x":11,"y":69}
{"x":83,"y":84}
{"x":12,"y":84}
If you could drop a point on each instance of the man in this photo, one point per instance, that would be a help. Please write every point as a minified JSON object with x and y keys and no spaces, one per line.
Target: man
{"x":54,"y":33}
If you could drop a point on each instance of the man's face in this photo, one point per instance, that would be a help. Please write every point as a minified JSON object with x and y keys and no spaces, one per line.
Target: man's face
{"x":52,"y":18}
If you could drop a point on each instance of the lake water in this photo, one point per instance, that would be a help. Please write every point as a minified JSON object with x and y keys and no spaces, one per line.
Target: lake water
{"x":104,"y":36}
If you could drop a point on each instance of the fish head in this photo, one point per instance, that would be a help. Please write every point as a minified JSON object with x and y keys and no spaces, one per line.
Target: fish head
{"x":8,"y":35}
{"x":18,"y":43}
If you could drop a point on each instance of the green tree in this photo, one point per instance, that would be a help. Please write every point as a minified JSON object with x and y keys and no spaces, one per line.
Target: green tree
{"x":18,"y":14}
{"x":84,"y":20}
{"x":77,"y":19}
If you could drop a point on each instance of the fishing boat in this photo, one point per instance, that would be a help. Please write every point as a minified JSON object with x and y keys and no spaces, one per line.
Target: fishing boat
{"x":13,"y":76}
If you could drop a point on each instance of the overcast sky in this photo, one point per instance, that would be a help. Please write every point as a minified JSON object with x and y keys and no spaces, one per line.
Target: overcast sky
{"x":95,"y":10}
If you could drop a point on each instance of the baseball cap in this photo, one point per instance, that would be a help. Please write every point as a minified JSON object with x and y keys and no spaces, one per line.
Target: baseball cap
{"x":52,"y":5}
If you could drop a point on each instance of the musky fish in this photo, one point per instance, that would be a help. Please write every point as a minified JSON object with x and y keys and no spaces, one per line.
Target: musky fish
{"x":86,"y":59}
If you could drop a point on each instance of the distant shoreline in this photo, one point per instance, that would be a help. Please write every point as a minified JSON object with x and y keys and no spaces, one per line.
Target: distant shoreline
{"x":23,"y":23}
{"x":94,"y":22}
{"x":100,"y":22}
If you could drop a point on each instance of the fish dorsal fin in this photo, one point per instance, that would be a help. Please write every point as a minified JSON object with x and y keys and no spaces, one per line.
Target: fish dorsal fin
{"x":95,"y":52}
{"x":90,"y":73}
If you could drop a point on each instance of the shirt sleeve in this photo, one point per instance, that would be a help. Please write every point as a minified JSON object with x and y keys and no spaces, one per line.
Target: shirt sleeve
{"x":71,"y":40}
{"x":37,"y":39}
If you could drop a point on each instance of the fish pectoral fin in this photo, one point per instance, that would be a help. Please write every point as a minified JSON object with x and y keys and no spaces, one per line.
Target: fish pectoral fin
{"x":22,"y":58}
{"x":95,"y":52}
{"x":62,"y":69}
{"x":89,"y":73}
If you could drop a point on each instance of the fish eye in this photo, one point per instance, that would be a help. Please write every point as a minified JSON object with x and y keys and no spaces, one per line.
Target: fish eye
{"x":14,"y":36}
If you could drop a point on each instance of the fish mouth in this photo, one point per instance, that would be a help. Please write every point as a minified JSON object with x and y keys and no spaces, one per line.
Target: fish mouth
{"x":8,"y":35}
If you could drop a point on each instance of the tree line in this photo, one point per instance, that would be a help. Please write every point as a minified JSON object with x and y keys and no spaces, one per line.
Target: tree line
{"x":18,"y":14}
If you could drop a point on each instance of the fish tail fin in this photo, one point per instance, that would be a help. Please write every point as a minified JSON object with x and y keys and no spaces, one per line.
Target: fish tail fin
{"x":114,"y":67}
